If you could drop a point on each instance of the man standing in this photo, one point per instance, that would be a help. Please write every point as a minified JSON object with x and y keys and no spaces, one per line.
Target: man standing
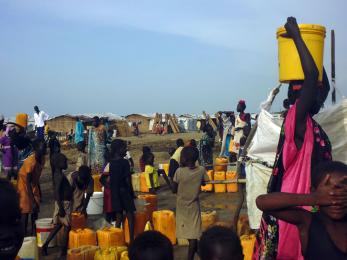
{"x":40,"y":118}
{"x":79,"y":131}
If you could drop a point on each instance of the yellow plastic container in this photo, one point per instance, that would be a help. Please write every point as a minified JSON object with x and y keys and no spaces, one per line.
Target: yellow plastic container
{"x":22,"y":119}
{"x":208,"y":219}
{"x":288,"y":57}
{"x":110,"y":237}
{"x":164,"y":221}
{"x":208,"y":187}
{"x":78,"y":220}
{"x":82,"y":253}
{"x":231,"y":175}
{"x":141,"y":218}
{"x":221,"y":164}
{"x":152,"y":202}
{"x":82,"y":237}
{"x":135,"y":181}
{"x":106,"y":254}
{"x":247,"y":243}
{"x":143,"y":183}
{"x":219,"y":188}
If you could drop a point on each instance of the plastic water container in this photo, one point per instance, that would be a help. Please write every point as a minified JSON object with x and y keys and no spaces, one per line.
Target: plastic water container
{"x":29,"y":250}
{"x":22,"y":119}
{"x":288,"y":57}
{"x":96,"y":204}
{"x":44,"y":226}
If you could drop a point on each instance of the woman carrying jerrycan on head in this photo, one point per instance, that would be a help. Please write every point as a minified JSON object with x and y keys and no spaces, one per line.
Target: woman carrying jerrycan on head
{"x":302,"y":145}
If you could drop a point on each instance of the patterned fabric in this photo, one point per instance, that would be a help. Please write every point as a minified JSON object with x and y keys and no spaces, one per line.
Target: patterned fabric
{"x":97,"y":149}
{"x":268,"y":238}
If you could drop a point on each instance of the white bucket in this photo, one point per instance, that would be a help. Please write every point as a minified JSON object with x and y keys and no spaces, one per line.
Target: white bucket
{"x":44,"y":226}
{"x":29,"y":250}
{"x":96,"y":204}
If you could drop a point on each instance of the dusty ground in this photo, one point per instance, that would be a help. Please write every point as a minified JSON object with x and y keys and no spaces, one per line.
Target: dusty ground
{"x":223,"y":203}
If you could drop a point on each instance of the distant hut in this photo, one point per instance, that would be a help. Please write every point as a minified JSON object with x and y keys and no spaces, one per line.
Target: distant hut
{"x":144,"y":120}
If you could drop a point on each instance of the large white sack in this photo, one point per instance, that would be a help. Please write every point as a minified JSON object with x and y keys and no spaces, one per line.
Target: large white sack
{"x":257,"y":176}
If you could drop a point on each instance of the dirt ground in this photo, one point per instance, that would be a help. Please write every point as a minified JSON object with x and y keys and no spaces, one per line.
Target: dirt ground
{"x":223,"y":203}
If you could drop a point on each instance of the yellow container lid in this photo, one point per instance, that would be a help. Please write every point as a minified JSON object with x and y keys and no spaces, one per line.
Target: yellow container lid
{"x":305,"y":28}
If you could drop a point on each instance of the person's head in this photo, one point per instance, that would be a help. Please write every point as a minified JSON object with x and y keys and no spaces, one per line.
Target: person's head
{"x":83,"y":177}
{"x":71,"y":131}
{"x":179,"y":142}
{"x":77,"y":119}
{"x":241,"y":106}
{"x":220,"y":243}
{"x":52,"y":134}
{"x":151,"y":245}
{"x":118,"y":148}
{"x":59,"y":161}
{"x":96,"y":121}
{"x":149,"y":159}
{"x":192,"y":143}
{"x":11,"y":229}
{"x":294,"y":92}
{"x":146,"y":150}
{"x":81,"y":146}
{"x":22,"y":142}
{"x":39,"y":147}
{"x":286,"y":104}
{"x":189,"y":156}
{"x":336,"y":170}
{"x":36,"y":109}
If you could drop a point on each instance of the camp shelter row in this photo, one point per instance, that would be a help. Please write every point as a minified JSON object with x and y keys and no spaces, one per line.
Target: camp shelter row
{"x":124,"y":125}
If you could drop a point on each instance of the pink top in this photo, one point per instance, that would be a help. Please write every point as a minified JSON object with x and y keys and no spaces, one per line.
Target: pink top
{"x":296,"y":179}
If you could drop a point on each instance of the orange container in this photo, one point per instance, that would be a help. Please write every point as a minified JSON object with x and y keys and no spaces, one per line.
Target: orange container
{"x":22,"y":119}
{"x":82,"y":253}
{"x":219,"y":176}
{"x":143,"y":183}
{"x":164,"y":221}
{"x":78,"y":220}
{"x":97,"y":184}
{"x":141,"y":218}
{"x":82,"y":237}
{"x":231,"y":175}
{"x":247,"y":243}
{"x":110,"y":237}
{"x":208,"y":187}
{"x":208,"y":219}
{"x":221,"y":164}
{"x":152,"y":202}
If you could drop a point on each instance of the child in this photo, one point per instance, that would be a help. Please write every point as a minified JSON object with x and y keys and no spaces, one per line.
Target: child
{"x":151,"y":245}
{"x":220,"y":243}
{"x":122,"y":193}
{"x":145,"y":151}
{"x":82,"y":159}
{"x":70,"y":197}
{"x":54,"y":147}
{"x":175,"y":158}
{"x":186,"y":184}
{"x":151,"y":173}
{"x":323,"y":235}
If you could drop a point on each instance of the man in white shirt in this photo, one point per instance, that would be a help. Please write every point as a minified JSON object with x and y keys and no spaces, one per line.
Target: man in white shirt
{"x":40,"y":117}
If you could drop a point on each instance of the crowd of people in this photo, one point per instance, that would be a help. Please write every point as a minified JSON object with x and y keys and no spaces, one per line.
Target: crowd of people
{"x":304,"y":211}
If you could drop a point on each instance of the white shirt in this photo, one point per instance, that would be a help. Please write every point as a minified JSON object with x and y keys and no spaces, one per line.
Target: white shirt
{"x":40,"y":118}
{"x":127,"y":156}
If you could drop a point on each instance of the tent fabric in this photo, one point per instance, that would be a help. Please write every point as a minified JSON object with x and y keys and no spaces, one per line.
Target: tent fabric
{"x":264,"y":144}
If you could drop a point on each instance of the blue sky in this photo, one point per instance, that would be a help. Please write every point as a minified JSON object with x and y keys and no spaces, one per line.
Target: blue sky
{"x":125,"y":57}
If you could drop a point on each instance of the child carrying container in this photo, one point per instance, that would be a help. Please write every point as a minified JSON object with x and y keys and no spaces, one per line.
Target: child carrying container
{"x":151,"y":173}
{"x":186,"y":184}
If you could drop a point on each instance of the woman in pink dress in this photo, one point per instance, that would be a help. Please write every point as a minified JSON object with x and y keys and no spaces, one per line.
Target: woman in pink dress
{"x":302,"y":145}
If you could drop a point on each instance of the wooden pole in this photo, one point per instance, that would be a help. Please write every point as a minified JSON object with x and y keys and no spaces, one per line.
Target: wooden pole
{"x":333,"y":93}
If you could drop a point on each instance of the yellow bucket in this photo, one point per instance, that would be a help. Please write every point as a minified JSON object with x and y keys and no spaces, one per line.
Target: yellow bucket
{"x":288,"y":57}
